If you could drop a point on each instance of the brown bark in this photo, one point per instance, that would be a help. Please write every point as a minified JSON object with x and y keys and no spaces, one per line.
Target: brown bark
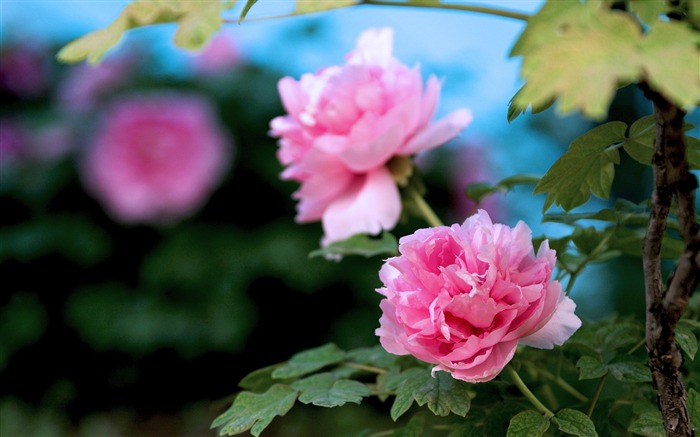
{"x":666,"y":305}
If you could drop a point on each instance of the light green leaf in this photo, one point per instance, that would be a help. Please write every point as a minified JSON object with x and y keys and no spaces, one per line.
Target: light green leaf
{"x":686,"y":340}
{"x":309,"y":6}
{"x":590,"y":368}
{"x":575,"y":422}
{"x":254,"y":412}
{"x":360,"y":244}
{"x":527,"y":424}
{"x":631,"y":371}
{"x":325,"y":390}
{"x":595,"y":51}
{"x":197,"y":23}
{"x":588,"y":167}
{"x":670,"y":62}
{"x":309,"y":361}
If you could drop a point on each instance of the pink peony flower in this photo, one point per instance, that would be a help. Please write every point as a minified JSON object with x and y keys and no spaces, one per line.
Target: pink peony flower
{"x":463,"y":298}
{"x":219,"y":56}
{"x":345,"y":124}
{"x":156,"y":157}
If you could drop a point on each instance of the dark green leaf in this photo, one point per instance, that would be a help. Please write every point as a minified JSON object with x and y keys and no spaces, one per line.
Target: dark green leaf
{"x":260,"y":379}
{"x":414,"y":428}
{"x":640,"y":143}
{"x":443,"y":394}
{"x":575,"y":422}
{"x":360,"y":244}
{"x":527,"y":424}
{"x":406,"y":383}
{"x":588,"y":167}
{"x":590,"y":368}
{"x":254,"y":412}
{"x":686,"y":340}
{"x":631,"y":371}
{"x":694,"y":406}
{"x":648,"y":422}
{"x":309,"y":361}
{"x":375,"y":356}
{"x":325,"y":390}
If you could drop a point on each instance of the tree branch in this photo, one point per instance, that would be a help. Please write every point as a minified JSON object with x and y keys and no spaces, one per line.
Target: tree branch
{"x":666,"y":306}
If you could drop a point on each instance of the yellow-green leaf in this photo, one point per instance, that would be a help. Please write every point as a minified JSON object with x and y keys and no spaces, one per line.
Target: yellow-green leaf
{"x":309,"y":6}
{"x":197,"y":23}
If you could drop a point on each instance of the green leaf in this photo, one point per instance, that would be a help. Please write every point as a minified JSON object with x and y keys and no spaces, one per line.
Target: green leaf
{"x":670,"y":62}
{"x":309,"y":361}
{"x":694,"y":406}
{"x":443,"y":394}
{"x":260,"y":379}
{"x":375,"y":356}
{"x":587,"y":167}
{"x":527,"y":424}
{"x":248,"y":4}
{"x":648,"y":422}
{"x":630,"y":371}
{"x":595,"y":49}
{"x":590,"y":368}
{"x":408,"y":382}
{"x":575,"y":422}
{"x":309,"y":6}
{"x":325,"y":390}
{"x":478,"y":190}
{"x":640,"y":143}
{"x":197,"y":23}
{"x":254,"y":412}
{"x":686,"y":340}
{"x":647,"y":10}
{"x":414,"y":428}
{"x":360,"y":244}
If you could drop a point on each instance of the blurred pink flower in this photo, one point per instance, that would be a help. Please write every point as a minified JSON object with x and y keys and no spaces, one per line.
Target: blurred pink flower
{"x":345,"y":124}
{"x":219,"y":56}
{"x":156,"y":158}
{"x":463,"y":298}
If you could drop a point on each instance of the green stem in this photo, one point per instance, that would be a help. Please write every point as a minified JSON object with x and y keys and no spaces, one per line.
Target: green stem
{"x":371,"y":369}
{"x":528,"y":394}
{"x":564,"y":385}
{"x":598,"y":390}
{"x":573,"y":275}
{"x":425,"y":209}
{"x":457,"y":7}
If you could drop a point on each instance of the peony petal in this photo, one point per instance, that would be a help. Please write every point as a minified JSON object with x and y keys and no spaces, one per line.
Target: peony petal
{"x":364,"y":157}
{"x":370,"y":206}
{"x":291,"y":95}
{"x":438,"y":133}
{"x":558,"y":329}
{"x":373,"y":47}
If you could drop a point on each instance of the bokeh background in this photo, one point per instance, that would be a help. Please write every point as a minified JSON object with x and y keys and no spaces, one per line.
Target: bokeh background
{"x":113,"y":328}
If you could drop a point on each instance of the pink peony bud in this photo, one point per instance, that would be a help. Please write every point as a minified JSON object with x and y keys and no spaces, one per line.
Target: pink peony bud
{"x":156,"y":157}
{"x":345,"y":123}
{"x":463,"y":298}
